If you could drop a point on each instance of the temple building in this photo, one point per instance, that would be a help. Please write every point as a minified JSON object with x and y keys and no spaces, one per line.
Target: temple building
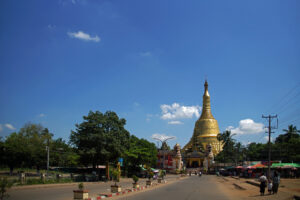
{"x":169,"y":159}
{"x":204,"y":145}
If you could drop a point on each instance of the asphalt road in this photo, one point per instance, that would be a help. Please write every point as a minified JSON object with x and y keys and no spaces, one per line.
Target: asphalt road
{"x":191,"y":188}
{"x":65,"y":191}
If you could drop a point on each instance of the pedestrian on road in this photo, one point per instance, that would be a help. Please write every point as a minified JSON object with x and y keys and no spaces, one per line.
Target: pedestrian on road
{"x":263,"y":181}
{"x":276,"y":181}
{"x":270,"y":186}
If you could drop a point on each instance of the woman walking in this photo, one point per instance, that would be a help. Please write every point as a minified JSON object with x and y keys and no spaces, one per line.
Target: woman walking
{"x":263,"y":184}
{"x":276,"y":181}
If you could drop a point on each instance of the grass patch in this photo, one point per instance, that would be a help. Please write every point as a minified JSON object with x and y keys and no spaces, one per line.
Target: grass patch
{"x":35,"y":181}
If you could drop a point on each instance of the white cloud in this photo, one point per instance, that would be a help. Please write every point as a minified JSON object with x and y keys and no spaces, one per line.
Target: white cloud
{"x":51,"y":27}
{"x":1,"y":128}
{"x":66,"y":2}
{"x":175,"y":122}
{"x":42,"y":115}
{"x":146,"y":54}
{"x":175,"y":111}
{"x":162,"y":137}
{"x":84,"y":36}
{"x":247,"y":126}
{"x":267,"y":138}
{"x":149,"y":117}
{"x":9,"y":126}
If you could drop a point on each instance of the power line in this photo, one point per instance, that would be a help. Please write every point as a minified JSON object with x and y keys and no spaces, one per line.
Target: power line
{"x":293,"y":99}
{"x":283,"y":98}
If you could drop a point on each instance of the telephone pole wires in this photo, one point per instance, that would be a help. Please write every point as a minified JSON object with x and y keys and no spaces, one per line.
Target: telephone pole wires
{"x":270,"y":117}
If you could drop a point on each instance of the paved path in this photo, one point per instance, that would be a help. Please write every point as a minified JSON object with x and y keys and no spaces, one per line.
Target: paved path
{"x":191,"y":188}
{"x":65,"y":191}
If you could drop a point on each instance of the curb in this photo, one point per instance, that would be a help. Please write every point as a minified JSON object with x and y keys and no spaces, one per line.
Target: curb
{"x":253,"y":183}
{"x":104,"y":196}
{"x":225,"y":179}
{"x":239,"y":187}
{"x":118,"y":193}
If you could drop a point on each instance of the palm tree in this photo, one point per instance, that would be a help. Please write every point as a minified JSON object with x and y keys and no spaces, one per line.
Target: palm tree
{"x":227,"y":140}
{"x":291,"y":132}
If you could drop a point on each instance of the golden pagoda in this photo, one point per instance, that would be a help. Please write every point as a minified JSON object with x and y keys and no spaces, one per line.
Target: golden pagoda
{"x":204,"y":138}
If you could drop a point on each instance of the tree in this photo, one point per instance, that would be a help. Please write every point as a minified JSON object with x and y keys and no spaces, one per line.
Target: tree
{"x":290,"y":133}
{"x":62,"y":154}
{"x":100,"y":138}
{"x":140,"y":152}
{"x":2,"y":151}
{"x":15,"y":151}
{"x":37,"y":138}
{"x":4,"y":185}
{"x":227,"y":155}
{"x":288,"y":144}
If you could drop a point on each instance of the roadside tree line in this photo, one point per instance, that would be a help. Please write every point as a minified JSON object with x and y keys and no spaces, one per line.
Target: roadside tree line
{"x":285,"y":148}
{"x":100,"y":139}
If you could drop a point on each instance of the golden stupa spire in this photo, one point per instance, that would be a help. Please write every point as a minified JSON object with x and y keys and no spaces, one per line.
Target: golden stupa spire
{"x":206,"y":128}
{"x":206,"y":110}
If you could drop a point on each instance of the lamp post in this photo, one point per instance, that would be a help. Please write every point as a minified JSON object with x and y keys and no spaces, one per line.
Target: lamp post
{"x":47,"y":149}
{"x":163,"y":139}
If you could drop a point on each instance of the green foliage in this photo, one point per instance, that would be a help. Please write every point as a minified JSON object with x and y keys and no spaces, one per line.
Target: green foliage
{"x":140,"y":152}
{"x":35,"y":181}
{"x":135,"y":178}
{"x":100,"y":138}
{"x":227,"y":155}
{"x":115,"y":175}
{"x":161,"y":174}
{"x":80,"y":186}
{"x":150,"y":173}
{"x":286,"y":148}
{"x":27,"y":148}
{"x":4,"y":186}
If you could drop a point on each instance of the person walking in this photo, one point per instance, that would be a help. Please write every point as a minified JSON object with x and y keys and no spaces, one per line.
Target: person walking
{"x":270,"y":186}
{"x":276,"y":181}
{"x":263,"y":181}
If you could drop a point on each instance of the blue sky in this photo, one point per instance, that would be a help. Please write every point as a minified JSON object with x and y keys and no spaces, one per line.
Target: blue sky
{"x":147,"y":61}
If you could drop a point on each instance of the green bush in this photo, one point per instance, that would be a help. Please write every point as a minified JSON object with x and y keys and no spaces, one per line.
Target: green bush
{"x":4,"y":185}
{"x":135,"y":178}
{"x":80,"y":186}
{"x":115,"y":175}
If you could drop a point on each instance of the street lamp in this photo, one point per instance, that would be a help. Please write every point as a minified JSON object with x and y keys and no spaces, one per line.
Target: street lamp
{"x":48,"y":155}
{"x":162,"y":139}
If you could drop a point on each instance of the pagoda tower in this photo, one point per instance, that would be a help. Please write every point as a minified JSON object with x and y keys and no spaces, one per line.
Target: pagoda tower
{"x":205,"y":134}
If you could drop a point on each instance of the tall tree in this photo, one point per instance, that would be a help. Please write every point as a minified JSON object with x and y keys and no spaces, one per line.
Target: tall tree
{"x":288,"y":144}
{"x":100,"y":138}
{"x":140,"y":152}
{"x":15,"y":151}
{"x":37,"y":138}
{"x":227,"y":155}
{"x":290,"y":133}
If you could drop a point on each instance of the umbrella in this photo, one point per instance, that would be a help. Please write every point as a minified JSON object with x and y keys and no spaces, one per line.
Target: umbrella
{"x":239,"y":167}
{"x":259,"y":165}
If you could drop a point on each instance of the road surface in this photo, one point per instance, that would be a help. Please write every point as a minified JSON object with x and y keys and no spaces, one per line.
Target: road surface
{"x":191,"y":188}
{"x":65,"y":191}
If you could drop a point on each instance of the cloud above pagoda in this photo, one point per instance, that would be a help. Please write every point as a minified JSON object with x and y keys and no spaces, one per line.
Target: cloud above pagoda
{"x":177,"y":111}
{"x":247,"y":126}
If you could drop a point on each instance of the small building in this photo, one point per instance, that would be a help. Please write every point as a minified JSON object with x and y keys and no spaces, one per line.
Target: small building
{"x":169,"y":159}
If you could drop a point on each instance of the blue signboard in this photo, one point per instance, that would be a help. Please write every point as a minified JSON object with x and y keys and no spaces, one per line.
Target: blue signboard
{"x":121,"y":162}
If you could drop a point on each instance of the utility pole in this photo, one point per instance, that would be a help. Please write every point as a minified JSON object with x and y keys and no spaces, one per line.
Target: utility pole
{"x":48,"y":149}
{"x":269,"y":117}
